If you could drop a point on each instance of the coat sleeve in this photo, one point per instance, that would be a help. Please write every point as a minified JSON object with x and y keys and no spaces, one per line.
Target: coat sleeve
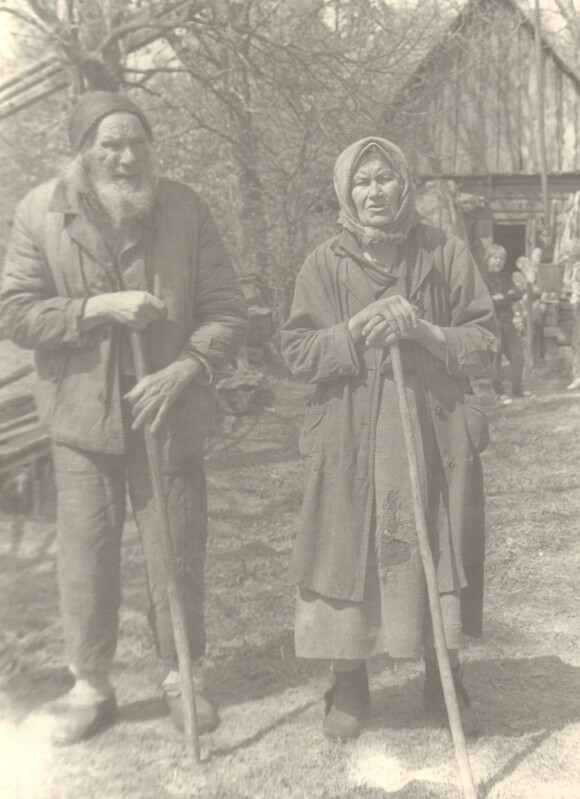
{"x":220,"y":312}
{"x":472,"y":337}
{"x":315,"y":344}
{"x":32,"y":314}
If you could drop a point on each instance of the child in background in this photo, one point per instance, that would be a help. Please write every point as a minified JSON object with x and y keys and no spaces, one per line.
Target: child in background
{"x":504,"y":293}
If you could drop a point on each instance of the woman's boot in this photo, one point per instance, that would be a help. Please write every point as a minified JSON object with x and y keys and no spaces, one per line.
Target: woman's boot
{"x":434,"y":700}
{"x":348,"y":703}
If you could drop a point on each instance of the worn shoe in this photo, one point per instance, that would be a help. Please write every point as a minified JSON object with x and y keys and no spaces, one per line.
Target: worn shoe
{"x":347,"y":704}
{"x":503,"y":399}
{"x":74,"y":721}
{"x":573,"y":385}
{"x":206,"y":714}
{"x":434,"y":700}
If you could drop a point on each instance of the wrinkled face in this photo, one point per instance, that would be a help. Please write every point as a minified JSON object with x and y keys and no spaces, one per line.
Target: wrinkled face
{"x":496,"y":262}
{"x":120,"y":153}
{"x":375,"y":193}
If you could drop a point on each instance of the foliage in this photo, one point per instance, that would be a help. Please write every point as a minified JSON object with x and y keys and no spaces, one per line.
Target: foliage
{"x":251,"y":101}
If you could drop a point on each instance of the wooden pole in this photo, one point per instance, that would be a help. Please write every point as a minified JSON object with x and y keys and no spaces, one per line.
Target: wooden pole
{"x":530,"y":354}
{"x":176,"y":605}
{"x":449,"y":693}
{"x":541,"y":116}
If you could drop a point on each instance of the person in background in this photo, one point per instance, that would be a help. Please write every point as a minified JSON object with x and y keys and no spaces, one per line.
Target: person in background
{"x":504,"y":293}
{"x":387,"y":276}
{"x":574,"y":281}
{"x":109,"y":248}
{"x":526,"y":274}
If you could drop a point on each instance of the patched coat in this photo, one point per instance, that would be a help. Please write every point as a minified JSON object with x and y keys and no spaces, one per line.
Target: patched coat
{"x":57,"y":259}
{"x":338,"y":434}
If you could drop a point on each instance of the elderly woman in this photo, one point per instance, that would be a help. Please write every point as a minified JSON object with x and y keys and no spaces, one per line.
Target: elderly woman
{"x":387,"y":276}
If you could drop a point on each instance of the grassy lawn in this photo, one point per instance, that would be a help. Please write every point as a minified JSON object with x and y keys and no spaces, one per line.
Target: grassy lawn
{"x":524,"y":676}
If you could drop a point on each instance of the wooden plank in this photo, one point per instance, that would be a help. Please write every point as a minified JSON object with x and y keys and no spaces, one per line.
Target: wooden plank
{"x":559,"y":120}
{"x":18,"y":374}
{"x":19,"y":432}
{"x":26,"y":459}
{"x":18,"y":422}
{"x":26,"y":72}
{"x":15,"y":407}
{"x":35,"y":444}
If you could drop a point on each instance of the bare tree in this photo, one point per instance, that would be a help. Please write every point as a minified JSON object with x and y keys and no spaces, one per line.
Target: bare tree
{"x":269,"y":91}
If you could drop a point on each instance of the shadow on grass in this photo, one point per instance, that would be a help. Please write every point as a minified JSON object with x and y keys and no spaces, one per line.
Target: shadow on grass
{"x":535,"y":406}
{"x":512,"y":697}
{"x":257,"y":736}
{"x":250,"y":674}
{"x":143,"y":710}
{"x":416,"y":789}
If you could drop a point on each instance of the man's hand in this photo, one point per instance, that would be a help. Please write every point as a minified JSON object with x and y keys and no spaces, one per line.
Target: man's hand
{"x":132,"y":308}
{"x":498,"y":297}
{"x":393,"y":315}
{"x":153,"y":395}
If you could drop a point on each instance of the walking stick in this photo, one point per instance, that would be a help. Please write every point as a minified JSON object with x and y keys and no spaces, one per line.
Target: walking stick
{"x":176,"y":607}
{"x":465,"y":774}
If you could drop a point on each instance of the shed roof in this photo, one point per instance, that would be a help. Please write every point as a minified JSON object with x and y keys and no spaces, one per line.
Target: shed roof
{"x":460,"y":23}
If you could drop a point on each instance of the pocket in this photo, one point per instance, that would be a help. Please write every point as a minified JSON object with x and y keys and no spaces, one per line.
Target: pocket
{"x":309,"y":434}
{"x":50,"y":365}
{"x":476,"y":421}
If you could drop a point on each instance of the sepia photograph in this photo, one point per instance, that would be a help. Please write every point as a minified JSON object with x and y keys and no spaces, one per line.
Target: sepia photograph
{"x":289,"y":399}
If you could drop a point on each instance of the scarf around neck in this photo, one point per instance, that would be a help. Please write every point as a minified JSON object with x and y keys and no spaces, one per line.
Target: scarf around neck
{"x":344,"y":169}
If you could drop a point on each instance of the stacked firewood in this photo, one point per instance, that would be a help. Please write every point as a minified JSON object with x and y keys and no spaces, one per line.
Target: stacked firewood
{"x":25,"y":459}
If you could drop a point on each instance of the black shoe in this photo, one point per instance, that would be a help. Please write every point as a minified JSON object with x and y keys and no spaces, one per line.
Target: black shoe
{"x":206,"y":715}
{"x":347,"y":704}
{"x":75,"y":722}
{"x":434,"y":700}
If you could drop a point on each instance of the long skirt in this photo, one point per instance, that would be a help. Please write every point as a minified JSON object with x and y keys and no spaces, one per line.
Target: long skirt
{"x":393,"y":616}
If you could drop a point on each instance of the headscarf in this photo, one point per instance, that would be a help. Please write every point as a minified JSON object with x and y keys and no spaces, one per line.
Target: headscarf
{"x":344,"y":169}
{"x":94,"y":106}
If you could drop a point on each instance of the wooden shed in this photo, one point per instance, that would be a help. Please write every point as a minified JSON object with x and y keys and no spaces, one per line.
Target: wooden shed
{"x":469,"y":113}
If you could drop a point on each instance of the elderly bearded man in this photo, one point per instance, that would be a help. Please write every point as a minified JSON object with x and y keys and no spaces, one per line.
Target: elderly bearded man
{"x":107,"y":248}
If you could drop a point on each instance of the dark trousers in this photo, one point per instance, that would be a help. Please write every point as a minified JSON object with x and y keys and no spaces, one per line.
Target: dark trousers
{"x":511,"y":346}
{"x":91,"y":491}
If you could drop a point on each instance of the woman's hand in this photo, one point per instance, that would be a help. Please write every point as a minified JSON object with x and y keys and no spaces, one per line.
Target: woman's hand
{"x":428,"y":335}
{"x":394,"y":316}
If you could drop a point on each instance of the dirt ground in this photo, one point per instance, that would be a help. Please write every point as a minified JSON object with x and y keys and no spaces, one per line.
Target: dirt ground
{"x":524,"y":675}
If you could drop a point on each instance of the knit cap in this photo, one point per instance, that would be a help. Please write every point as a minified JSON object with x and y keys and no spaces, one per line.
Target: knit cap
{"x":94,"y":106}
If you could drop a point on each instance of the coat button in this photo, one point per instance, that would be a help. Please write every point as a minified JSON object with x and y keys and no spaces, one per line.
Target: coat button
{"x":438,"y":410}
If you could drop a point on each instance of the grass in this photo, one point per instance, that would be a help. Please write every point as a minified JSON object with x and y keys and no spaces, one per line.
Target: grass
{"x":524,"y":675}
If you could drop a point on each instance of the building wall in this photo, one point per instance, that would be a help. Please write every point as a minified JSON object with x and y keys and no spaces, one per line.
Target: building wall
{"x":472,"y":109}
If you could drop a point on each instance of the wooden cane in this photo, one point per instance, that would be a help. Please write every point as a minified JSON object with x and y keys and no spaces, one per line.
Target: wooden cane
{"x":449,"y":693}
{"x":176,"y":605}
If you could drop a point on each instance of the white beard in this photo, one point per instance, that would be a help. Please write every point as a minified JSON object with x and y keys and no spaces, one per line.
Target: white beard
{"x":122,"y":203}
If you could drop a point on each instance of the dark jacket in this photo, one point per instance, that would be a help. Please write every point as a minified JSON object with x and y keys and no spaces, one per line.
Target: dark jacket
{"x":330,"y":552}
{"x":57,"y":259}
{"x":502,"y":283}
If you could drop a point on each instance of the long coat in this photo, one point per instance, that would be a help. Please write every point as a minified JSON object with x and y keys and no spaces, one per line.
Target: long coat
{"x":338,"y":434}
{"x":57,"y":259}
